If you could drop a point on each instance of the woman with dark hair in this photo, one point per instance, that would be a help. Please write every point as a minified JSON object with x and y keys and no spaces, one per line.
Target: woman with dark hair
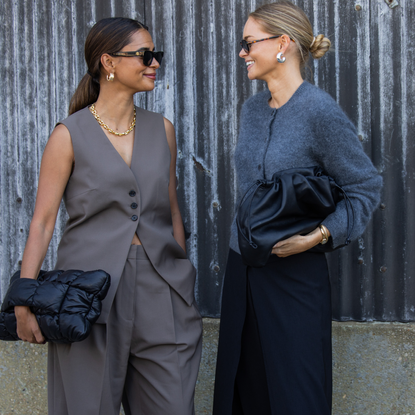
{"x":275,"y":334}
{"x":115,"y":166}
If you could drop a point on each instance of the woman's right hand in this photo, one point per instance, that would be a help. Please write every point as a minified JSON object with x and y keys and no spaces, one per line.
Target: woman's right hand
{"x":27,"y":326}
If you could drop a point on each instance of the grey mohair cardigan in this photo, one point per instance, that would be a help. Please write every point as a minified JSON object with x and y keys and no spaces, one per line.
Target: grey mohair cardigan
{"x":309,"y":130}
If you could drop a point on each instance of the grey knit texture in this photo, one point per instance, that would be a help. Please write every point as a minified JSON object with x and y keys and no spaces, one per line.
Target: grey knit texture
{"x":309,"y":130}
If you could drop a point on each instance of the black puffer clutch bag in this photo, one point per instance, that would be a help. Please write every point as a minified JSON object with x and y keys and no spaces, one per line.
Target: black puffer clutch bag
{"x":294,"y":201}
{"x":66,"y":303}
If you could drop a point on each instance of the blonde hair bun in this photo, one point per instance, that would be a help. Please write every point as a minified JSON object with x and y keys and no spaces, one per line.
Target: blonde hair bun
{"x":319,"y":46}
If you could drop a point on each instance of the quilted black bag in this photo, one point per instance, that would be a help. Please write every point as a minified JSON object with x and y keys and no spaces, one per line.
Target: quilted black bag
{"x":294,"y":201}
{"x":66,"y":303}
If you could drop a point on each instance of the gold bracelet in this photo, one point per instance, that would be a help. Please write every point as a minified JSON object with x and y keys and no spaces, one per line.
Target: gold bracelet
{"x":324,"y":234}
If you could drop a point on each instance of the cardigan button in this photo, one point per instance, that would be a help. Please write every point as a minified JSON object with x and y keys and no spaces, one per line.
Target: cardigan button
{"x":133,"y":205}
{"x":132,"y":193}
{"x":134,"y":218}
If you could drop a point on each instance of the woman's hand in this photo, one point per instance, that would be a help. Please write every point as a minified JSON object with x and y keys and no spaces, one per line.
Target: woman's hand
{"x":297,"y":244}
{"x":27,"y":326}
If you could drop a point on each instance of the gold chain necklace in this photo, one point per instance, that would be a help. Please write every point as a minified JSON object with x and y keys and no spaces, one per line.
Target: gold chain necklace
{"x":109,"y":129}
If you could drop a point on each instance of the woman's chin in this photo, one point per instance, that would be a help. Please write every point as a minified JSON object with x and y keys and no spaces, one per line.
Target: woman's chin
{"x":146,"y":87}
{"x":251,"y":75}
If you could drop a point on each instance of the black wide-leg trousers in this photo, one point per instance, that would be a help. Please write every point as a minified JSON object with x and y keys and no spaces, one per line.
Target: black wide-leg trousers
{"x":280,"y":315}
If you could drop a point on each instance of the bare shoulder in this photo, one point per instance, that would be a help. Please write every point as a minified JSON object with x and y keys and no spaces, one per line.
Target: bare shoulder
{"x":61,"y":133}
{"x":60,"y":142}
{"x":170,"y":134}
{"x":169,"y":127}
{"x":60,"y":136}
{"x":59,"y":145}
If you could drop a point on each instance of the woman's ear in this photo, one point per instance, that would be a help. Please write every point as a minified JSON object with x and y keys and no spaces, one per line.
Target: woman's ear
{"x":284,"y":42}
{"x":108,"y":63}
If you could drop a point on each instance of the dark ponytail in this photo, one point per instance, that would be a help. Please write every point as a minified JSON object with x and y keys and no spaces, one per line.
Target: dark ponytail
{"x":107,"y":36}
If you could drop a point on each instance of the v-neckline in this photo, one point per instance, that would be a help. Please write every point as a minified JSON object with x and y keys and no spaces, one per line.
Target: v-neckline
{"x":129,"y":167}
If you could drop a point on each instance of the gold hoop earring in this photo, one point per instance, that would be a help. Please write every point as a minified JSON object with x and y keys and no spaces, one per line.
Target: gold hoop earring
{"x":110,"y":77}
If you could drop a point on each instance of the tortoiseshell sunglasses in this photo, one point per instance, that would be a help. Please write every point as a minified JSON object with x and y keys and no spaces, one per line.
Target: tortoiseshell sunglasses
{"x":246,"y":45}
{"x":147,"y":55}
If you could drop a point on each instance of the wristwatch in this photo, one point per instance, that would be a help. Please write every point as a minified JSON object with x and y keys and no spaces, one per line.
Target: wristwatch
{"x":324,"y":234}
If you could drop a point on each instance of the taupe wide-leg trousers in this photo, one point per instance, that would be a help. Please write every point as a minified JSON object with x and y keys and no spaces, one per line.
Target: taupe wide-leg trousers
{"x":147,"y":356}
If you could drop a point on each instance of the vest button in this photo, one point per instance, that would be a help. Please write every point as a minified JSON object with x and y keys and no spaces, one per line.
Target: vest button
{"x":132,"y":193}
{"x":134,"y":218}
{"x":133,"y":205}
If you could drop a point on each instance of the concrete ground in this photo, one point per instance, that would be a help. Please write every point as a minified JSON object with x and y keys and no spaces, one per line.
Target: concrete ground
{"x":373,"y":371}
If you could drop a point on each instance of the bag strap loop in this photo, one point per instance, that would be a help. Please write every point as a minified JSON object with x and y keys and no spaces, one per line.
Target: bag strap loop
{"x":349,"y":205}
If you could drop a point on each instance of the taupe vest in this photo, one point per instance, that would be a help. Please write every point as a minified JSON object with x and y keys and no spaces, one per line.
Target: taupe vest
{"x":108,"y":202}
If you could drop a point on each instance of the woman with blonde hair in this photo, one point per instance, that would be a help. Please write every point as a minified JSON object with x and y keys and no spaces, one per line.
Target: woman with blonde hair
{"x":274,"y":352}
{"x":115,"y":166}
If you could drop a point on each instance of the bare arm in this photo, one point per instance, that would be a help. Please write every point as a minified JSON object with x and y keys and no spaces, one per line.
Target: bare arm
{"x":55,"y":170}
{"x":178,"y":230}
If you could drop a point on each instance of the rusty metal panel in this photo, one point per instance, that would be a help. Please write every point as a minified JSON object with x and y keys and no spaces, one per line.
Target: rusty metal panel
{"x":201,"y":88}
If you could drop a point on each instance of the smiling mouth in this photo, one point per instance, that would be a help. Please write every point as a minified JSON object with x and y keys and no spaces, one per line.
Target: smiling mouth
{"x":249,"y":64}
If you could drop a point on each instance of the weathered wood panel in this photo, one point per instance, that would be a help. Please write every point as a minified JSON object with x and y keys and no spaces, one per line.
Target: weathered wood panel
{"x":201,"y":88}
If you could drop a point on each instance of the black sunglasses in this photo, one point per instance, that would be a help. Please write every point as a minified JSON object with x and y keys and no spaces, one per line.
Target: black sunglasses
{"x":147,"y":55}
{"x":245,"y":45}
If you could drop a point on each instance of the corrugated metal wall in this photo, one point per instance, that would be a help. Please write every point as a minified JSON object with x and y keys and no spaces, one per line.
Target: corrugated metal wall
{"x":201,"y":89}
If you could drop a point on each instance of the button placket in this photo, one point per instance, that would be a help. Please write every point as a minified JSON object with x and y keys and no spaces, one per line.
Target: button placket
{"x":133,"y":205}
{"x":268,"y":139}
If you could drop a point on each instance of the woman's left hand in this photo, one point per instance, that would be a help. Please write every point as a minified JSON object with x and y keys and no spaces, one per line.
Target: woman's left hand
{"x":297,"y":244}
